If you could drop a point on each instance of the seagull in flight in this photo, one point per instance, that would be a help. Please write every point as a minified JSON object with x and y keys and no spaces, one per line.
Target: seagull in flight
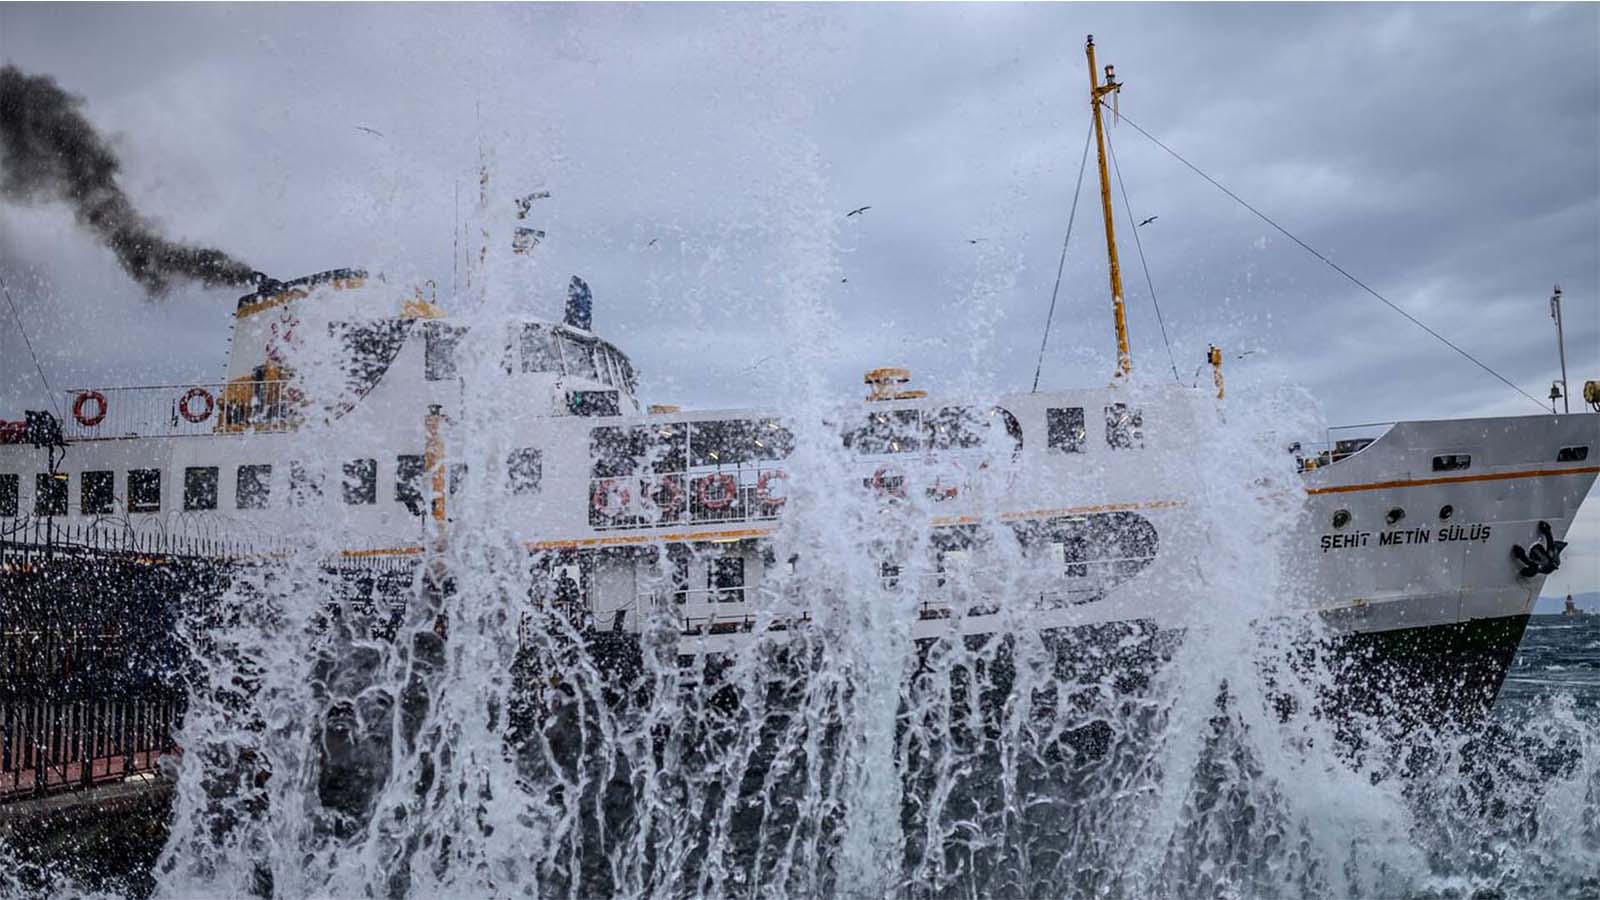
{"x":652,"y":242}
{"x":369,"y":130}
{"x":1148,"y":221}
{"x":857,"y":211}
{"x":975,"y":240}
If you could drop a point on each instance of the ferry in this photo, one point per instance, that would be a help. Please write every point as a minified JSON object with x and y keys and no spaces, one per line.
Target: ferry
{"x":344,"y":400}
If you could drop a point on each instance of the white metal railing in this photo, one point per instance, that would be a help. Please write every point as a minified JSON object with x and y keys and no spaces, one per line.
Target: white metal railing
{"x":715,"y":610}
{"x":181,"y":410}
{"x":1337,"y":443}
{"x":709,"y":610}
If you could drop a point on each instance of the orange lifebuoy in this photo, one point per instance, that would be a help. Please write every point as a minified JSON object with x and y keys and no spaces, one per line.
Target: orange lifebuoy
{"x":881,"y":482}
{"x":89,"y":421}
{"x":605,"y":490}
{"x":764,"y":494}
{"x":727,"y":493}
{"x":203,"y":394}
{"x":668,"y":495}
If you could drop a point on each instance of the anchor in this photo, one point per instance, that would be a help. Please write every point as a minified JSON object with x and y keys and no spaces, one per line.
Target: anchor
{"x":1542,"y":557}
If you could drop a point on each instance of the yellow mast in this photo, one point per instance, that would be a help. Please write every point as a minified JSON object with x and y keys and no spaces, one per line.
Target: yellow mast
{"x":1096,"y":92}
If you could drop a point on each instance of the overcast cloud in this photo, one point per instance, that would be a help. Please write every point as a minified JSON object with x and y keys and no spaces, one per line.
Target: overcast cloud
{"x":1447,"y":155}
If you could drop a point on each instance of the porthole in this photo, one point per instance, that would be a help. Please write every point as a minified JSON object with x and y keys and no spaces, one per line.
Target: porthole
{"x":1446,"y":511}
{"x":1341,"y":518}
{"x":1573,"y":454}
{"x":1395,"y":515}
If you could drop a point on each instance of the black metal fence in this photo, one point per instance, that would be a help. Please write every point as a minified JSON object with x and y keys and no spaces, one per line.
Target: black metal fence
{"x":92,"y":667}
{"x":32,"y":540}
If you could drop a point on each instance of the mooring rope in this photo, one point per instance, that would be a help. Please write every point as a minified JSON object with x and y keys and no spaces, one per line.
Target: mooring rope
{"x":1330,"y":263}
{"x":1061,"y":264}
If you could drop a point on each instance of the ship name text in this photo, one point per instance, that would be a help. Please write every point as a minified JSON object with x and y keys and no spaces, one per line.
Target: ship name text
{"x":1400,"y":537}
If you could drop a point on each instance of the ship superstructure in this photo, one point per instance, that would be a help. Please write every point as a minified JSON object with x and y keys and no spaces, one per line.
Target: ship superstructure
{"x":1432,"y":534}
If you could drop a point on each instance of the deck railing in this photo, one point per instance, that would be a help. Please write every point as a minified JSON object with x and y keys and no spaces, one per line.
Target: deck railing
{"x":183,"y":410}
{"x":651,"y":501}
{"x":1336,"y":444}
{"x":710,"y":610}
{"x":35,"y":539}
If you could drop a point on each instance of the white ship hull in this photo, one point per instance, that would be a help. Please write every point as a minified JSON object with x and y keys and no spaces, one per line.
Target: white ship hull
{"x":1096,"y":495}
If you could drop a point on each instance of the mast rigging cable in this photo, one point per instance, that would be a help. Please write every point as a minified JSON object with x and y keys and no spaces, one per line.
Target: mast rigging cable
{"x":1111,"y":151}
{"x":1073,"y":217}
{"x":1330,"y":263}
{"x":48,"y":392}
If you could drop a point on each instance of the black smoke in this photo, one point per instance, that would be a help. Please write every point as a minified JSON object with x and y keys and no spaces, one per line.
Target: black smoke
{"x":49,"y":151}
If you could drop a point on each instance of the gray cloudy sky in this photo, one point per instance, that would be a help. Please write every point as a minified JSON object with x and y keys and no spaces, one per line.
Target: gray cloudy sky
{"x":1447,"y":155}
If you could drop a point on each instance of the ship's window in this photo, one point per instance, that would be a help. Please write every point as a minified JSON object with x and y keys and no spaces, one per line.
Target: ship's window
{"x":408,"y":471}
{"x":524,"y":470}
{"x":50,"y":494}
{"x":735,"y":442}
{"x":578,"y":357}
{"x":568,"y":584}
{"x":439,"y":349}
{"x":360,"y":485}
{"x":1012,"y":426}
{"x":199,"y":488}
{"x":642,"y":449}
{"x":616,"y":451}
{"x":252,"y":487}
{"x":593,"y":403}
{"x":629,"y":379}
{"x":1451,"y":462}
{"x":539,"y":351}
{"x":305,"y":484}
{"x":1066,"y":429}
{"x":890,"y":574}
{"x":889,"y":431}
{"x":370,"y":348}
{"x":725,"y":575}
{"x":619,"y":369}
{"x":953,"y":563}
{"x":97,"y":492}
{"x":954,"y":428}
{"x":1071,"y":552}
{"x":1573,"y":454}
{"x":1124,"y":427}
{"x":769,"y":440}
{"x":1395,"y":515}
{"x":1119,"y":543}
{"x":8,"y":494}
{"x":144,"y":490}
{"x":668,"y":445}
{"x":680,"y":575}
{"x":1446,"y":511}
{"x":1071,"y":547}
{"x":1341,"y":518}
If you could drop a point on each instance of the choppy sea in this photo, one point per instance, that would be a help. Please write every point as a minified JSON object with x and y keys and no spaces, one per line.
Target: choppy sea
{"x":1559,"y":655}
